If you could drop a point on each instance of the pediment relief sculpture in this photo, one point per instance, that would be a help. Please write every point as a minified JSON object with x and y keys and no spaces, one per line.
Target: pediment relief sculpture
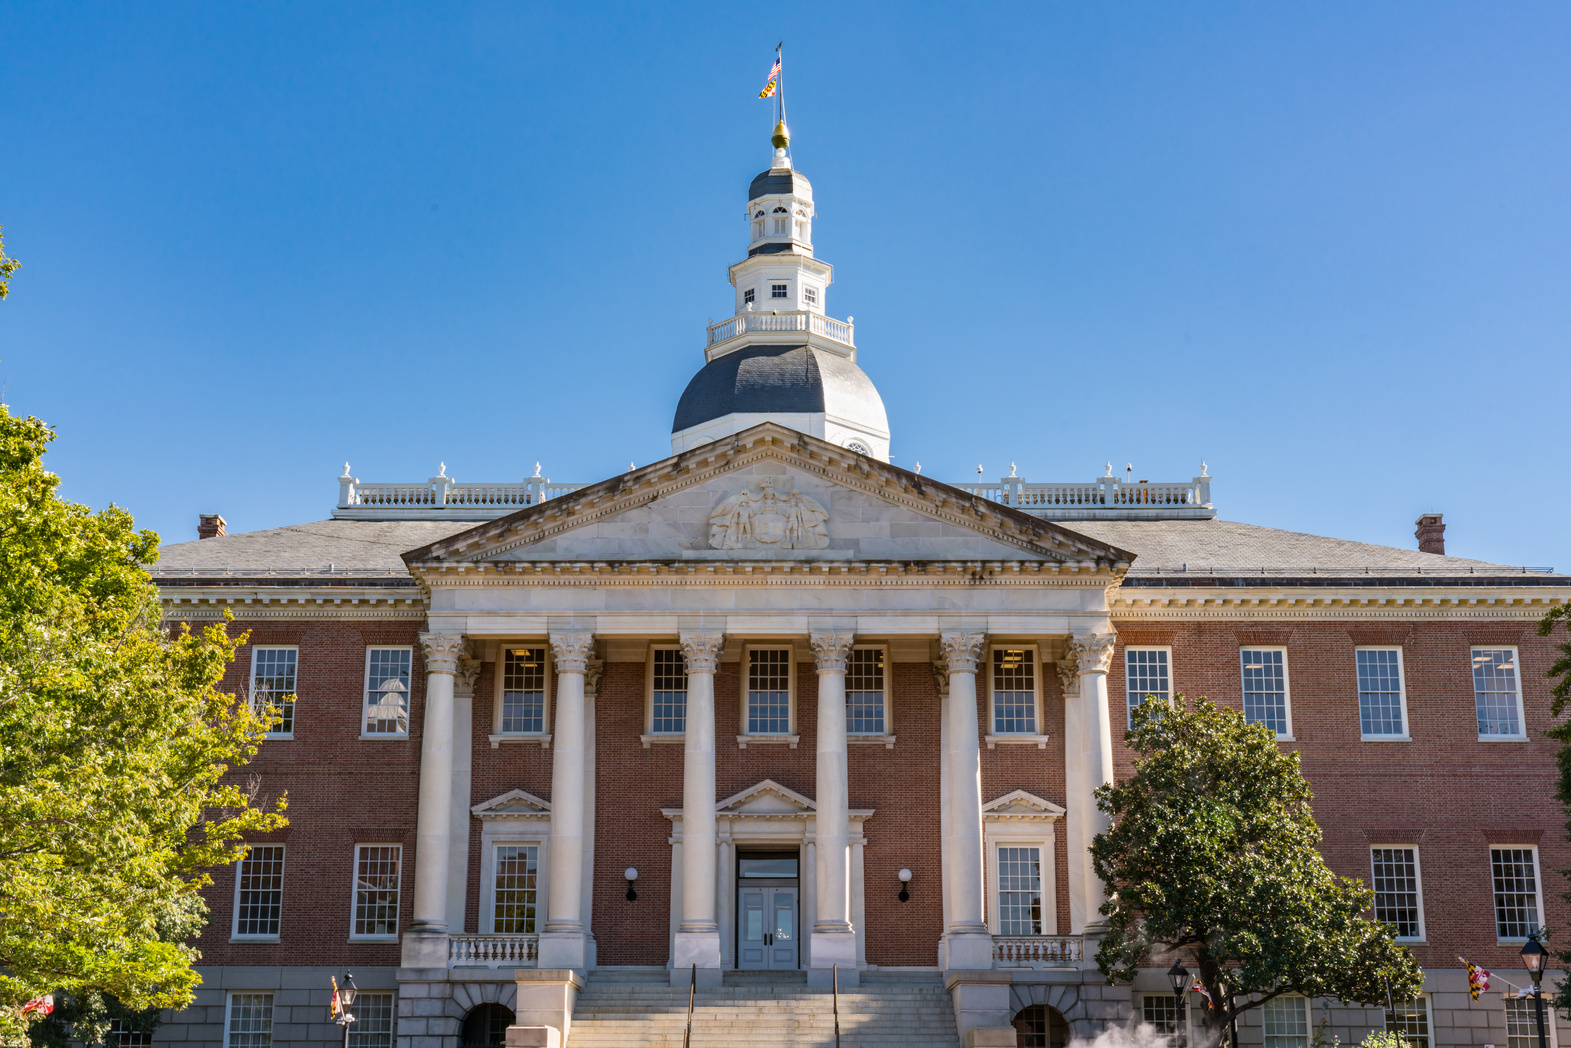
{"x":769,"y":513}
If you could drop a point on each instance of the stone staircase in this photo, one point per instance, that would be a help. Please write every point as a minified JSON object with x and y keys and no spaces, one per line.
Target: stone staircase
{"x":639,"y":1009}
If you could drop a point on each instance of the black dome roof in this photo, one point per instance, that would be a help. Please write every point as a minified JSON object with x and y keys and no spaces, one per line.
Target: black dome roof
{"x":778,"y":182}
{"x":773,"y":379}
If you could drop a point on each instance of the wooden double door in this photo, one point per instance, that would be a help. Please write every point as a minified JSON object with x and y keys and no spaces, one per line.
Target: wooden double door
{"x":766,"y":932}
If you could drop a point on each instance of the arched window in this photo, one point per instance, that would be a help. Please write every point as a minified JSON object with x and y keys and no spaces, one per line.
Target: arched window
{"x":485,"y":1027}
{"x":781,"y":211}
{"x":760,"y":213}
{"x":1041,"y":1027}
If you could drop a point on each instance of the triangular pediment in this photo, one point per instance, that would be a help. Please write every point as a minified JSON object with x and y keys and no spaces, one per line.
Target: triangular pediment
{"x":1021,"y":803}
{"x":514,"y":804}
{"x":766,"y":798}
{"x":769,"y":494}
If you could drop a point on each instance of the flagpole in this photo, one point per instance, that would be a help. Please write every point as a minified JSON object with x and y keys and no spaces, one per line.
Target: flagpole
{"x":780,"y":92}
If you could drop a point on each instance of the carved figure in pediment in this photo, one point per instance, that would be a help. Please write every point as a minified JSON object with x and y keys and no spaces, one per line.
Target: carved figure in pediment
{"x":761,"y":515}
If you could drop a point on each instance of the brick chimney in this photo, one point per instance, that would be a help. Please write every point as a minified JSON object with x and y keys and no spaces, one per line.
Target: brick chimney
{"x":211,"y":526}
{"x":1431,"y":534}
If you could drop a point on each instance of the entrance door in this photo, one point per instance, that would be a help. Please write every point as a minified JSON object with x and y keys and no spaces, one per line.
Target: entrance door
{"x":766,"y":930}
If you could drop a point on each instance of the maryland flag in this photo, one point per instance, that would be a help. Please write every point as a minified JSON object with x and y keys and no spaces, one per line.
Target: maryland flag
{"x":44,"y":1005}
{"x":1200,"y":988}
{"x":1477,"y":980}
{"x":774,"y":79}
{"x":335,"y":1010}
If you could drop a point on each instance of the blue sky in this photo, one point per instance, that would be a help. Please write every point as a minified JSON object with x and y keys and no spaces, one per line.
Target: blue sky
{"x":1322,"y":246}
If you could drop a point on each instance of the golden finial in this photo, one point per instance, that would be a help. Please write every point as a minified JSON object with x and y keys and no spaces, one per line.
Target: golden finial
{"x":782,"y":137}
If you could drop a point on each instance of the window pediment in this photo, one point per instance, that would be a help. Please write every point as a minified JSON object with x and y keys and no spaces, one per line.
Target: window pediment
{"x":1022,"y":805}
{"x":514,"y":804}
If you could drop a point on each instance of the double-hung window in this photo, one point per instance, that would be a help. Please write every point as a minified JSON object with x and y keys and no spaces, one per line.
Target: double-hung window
{"x":1398,"y":896}
{"x":667,"y":692}
{"x":522,"y":707}
{"x":1515,"y":875}
{"x":376,"y":1018}
{"x":1285,"y":1021}
{"x":1019,"y":890}
{"x":378,"y":869}
{"x":1146,"y":673}
{"x":865,"y":693}
{"x":1497,"y":694}
{"x":747,"y":296}
{"x":1410,"y":1021}
{"x":387,"y":675}
{"x":273,"y":671}
{"x":779,"y":290}
{"x":769,"y":691}
{"x":515,"y":893}
{"x":126,"y":1034}
{"x":248,"y":1022}
{"x":1265,"y":689}
{"x":1161,"y":1011}
{"x":1522,"y":1024}
{"x":1382,"y":702}
{"x":1014,"y":691}
{"x":810,"y":295}
{"x":259,"y":892}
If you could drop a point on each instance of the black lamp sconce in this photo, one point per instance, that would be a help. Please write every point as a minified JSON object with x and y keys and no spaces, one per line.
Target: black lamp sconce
{"x":905,"y":879}
{"x":631,"y":875}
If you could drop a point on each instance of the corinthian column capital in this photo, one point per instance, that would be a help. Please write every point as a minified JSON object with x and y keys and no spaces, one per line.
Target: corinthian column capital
{"x":831,"y":650}
{"x":1068,"y":675}
{"x":1093,"y":651}
{"x":441,"y":651}
{"x":701,"y":651}
{"x":571,"y":651}
{"x":961,"y":651}
{"x":468,"y":669}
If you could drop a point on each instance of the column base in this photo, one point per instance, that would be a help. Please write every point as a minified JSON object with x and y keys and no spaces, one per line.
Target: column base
{"x":564,"y":950}
{"x":544,"y":1007}
{"x":971,"y":951}
{"x":827,"y":950}
{"x":423,"y":949}
{"x":695,"y":948}
{"x":983,"y":1011}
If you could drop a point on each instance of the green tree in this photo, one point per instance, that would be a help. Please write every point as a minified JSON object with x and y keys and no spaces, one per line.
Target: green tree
{"x":1213,"y":852}
{"x":115,"y":755}
{"x":7,"y":267}
{"x":1561,"y":732}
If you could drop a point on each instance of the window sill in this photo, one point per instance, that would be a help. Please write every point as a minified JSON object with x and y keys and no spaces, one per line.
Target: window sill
{"x":373,"y":938}
{"x":886,"y":741}
{"x":743,"y":741}
{"x":665,"y":736}
{"x":1286,"y":738}
{"x":542,"y":738}
{"x":253,"y":938}
{"x":385,"y":736}
{"x":274,"y":736}
{"x":1503,"y":738}
{"x":1417,"y":942}
{"x":1385,"y":738}
{"x":1039,"y":741}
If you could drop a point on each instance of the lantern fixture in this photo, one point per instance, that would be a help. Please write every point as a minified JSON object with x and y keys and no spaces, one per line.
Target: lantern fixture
{"x":905,"y":880}
{"x":631,"y":875}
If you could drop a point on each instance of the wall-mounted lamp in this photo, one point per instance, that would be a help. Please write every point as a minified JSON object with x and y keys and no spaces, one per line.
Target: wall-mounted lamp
{"x":631,"y":875}
{"x":905,"y":879}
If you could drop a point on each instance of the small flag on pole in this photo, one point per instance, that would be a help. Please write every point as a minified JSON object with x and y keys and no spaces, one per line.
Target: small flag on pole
{"x":44,"y":1005}
{"x":336,"y":1009}
{"x":1200,"y":988}
{"x":1477,"y":980}
{"x":774,"y":76}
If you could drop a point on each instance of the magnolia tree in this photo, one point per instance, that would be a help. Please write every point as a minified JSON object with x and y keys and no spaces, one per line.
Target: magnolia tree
{"x":116,"y":762}
{"x":1213,"y":854}
{"x":1561,"y":615}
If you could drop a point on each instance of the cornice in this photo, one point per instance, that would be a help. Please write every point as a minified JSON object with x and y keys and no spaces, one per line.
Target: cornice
{"x":281,"y":602}
{"x":768,"y":573}
{"x":1376,"y":603}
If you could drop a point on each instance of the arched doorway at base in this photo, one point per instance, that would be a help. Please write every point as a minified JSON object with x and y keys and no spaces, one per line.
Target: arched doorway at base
{"x":1040,"y":1027}
{"x":485,"y":1026}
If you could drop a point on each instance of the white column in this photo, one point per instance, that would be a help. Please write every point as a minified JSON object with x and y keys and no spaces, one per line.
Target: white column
{"x":697,"y":938}
{"x":945,"y":886}
{"x":1094,"y":654}
{"x":592,"y":670}
{"x":425,"y":944}
{"x":563,"y":942}
{"x":1075,"y":790}
{"x":463,"y":775}
{"x":834,"y":942}
{"x":969,"y":944}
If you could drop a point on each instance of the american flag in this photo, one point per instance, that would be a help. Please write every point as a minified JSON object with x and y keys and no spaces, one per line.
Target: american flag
{"x":769,"y":85}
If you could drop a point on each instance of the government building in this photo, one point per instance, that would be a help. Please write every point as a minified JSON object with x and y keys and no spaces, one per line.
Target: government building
{"x":815,"y":735}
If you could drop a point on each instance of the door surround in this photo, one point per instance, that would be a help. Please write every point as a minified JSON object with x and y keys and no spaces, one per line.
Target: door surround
{"x":769,"y":817}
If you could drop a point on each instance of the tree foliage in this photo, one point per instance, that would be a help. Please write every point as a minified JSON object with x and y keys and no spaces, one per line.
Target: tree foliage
{"x":1561,"y":732}
{"x":115,"y":749}
{"x":1213,"y":853}
{"x":7,"y":267}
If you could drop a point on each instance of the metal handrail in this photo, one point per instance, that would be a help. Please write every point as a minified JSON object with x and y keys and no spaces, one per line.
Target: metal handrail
{"x":687,"y":1038}
{"x":835,"y":988}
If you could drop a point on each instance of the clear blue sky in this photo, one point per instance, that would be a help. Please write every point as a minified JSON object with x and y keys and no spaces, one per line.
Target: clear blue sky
{"x":1324,"y":247}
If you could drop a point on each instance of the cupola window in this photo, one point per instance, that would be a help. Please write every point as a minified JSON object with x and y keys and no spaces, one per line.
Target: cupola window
{"x":778,"y":290}
{"x":747,"y":296}
{"x":810,"y":295}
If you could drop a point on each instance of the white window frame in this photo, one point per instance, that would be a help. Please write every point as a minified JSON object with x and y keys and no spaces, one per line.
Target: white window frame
{"x":887,"y":738}
{"x":365,"y":690}
{"x":810,"y":296}
{"x":498,"y":736}
{"x":1550,"y":1025}
{"x":255,"y":648}
{"x":1422,"y":1000}
{"x":1005,"y":836}
{"x":229,"y":1009}
{"x":513,"y":837}
{"x":774,"y":287}
{"x":357,"y":1036}
{"x":234,"y":917}
{"x":1287,"y":685}
{"x":1129,"y":711}
{"x":749,"y":296}
{"x":791,"y":737}
{"x":1521,"y":710}
{"x":1304,"y":1006}
{"x":1538,"y":888}
{"x":651,"y":736}
{"x":1418,"y":880}
{"x":1401,"y":686}
{"x":1039,"y":738}
{"x":354,"y":891}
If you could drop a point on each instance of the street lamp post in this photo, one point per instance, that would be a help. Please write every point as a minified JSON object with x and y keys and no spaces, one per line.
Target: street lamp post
{"x":1179,"y":976}
{"x":1533,"y":955}
{"x":346,"y":997}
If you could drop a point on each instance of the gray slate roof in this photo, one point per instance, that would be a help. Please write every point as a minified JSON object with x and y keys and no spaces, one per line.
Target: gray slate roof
{"x":354,"y":548}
